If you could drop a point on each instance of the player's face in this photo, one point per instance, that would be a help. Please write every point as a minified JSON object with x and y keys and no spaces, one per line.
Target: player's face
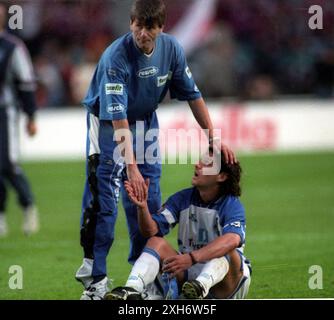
{"x":200,"y":179}
{"x":144,"y":37}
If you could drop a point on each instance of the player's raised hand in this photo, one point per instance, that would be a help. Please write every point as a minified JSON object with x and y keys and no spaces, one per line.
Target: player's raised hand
{"x":137,"y":181}
{"x":133,"y":197}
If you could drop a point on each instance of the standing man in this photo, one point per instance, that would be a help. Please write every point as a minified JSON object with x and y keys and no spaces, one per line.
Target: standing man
{"x":132,"y":77}
{"x":17,"y":86}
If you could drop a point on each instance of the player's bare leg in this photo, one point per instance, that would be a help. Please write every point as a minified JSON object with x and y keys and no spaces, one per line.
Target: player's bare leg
{"x":232,"y":279}
{"x":227,"y":286}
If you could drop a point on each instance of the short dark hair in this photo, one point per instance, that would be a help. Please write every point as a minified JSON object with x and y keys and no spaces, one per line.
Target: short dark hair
{"x":149,"y":13}
{"x":231,"y":186}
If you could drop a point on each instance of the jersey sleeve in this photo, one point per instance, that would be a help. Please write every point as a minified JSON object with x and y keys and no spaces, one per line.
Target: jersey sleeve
{"x":113,"y":88}
{"x":22,"y":67}
{"x":233,"y":220}
{"x":183,"y":86}
{"x":168,"y":216}
{"x":25,"y":78}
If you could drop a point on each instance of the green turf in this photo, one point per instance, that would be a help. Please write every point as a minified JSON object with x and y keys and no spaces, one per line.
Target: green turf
{"x":289,"y":201}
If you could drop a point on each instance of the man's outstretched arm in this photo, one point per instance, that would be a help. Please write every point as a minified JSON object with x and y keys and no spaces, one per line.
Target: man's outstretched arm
{"x":147,"y":226}
{"x":123,"y":135}
{"x":202,"y":116}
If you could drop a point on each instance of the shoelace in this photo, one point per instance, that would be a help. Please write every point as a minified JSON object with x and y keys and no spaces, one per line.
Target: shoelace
{"x":110,"y":286}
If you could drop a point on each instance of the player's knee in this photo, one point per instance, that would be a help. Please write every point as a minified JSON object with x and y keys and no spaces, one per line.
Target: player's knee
{"x":156,"y":243}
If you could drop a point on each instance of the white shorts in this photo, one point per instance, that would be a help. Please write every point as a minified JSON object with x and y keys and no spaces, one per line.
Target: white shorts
{"x":242,"y":289}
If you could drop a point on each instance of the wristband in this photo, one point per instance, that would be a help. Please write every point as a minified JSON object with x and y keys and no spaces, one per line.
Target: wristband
{"x":193,"y":260}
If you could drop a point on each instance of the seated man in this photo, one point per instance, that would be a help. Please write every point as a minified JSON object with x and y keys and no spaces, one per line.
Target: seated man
{"x":210,"y":262}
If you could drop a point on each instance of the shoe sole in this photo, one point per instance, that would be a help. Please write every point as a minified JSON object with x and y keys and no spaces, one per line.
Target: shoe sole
{"x":113,"y":296}
{"x":189,"y":291}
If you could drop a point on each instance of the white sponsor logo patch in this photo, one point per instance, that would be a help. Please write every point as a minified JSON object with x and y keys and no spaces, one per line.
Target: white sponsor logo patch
{"x":115,"y":108}
{"x":236,"y":224}
{"x":188,"y":72}
{"x":114,"y":88}
{"x":162,"y":80}
{"x":147,"y":72}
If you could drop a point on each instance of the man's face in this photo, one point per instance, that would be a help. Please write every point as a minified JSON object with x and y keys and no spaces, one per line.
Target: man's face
{"x":144,"y":37}
{"x":200,"y":179}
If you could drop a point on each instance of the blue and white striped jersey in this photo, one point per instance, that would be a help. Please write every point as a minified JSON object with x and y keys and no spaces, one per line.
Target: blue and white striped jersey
{"x":127,"y":84}
{"x":200,"y":223}
{"x":17,"y":89}
{"x":17,"y":73}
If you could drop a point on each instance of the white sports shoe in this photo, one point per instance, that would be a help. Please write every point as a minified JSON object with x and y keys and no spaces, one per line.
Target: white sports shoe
{"x":31,"y":221}
{"x":152,"y":292}
{"x":3,"y":226}
{"x":96,"y":291}
{"x":84,"y":273}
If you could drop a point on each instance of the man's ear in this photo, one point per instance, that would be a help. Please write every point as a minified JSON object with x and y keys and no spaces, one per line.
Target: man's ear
{"x":222,"y":177}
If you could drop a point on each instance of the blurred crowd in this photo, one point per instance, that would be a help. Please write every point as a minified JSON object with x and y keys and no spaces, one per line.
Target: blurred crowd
{"x":264,"y":48}
{"x":257,"y":49}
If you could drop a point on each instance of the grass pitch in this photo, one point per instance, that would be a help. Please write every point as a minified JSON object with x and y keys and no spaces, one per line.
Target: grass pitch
{"x":289,"y":201}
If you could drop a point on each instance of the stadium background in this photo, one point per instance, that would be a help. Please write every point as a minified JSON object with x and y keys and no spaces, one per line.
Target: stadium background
{"x":268,"y":79}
